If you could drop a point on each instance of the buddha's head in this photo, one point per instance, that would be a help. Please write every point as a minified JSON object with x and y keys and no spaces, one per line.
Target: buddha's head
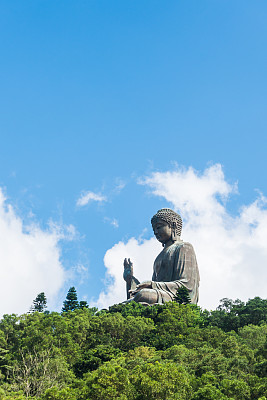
{"x":167,"y":225}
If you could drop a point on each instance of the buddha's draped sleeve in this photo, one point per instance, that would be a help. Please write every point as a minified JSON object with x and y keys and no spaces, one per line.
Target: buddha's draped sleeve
{"x":179,"y":267}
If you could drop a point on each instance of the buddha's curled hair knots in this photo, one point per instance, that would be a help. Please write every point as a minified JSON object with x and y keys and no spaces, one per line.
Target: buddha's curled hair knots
{"x":171,"y":217}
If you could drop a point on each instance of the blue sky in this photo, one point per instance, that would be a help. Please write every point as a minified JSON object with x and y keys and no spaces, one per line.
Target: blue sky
{"x":96,"y":95}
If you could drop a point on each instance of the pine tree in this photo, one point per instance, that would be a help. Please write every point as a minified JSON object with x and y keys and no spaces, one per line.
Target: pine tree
{"x":182,"y":296}
{"x":39,"y":304}
{"x":71,"y":302}
{"x":83,"y":304}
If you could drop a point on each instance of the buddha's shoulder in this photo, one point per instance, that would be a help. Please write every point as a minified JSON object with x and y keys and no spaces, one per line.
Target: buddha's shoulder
{"x":183,"y":245}
{"x":187,"y":244}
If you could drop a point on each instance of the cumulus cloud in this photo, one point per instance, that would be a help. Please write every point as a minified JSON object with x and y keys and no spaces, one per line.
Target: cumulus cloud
{"x":86,"y":197}
{"x":231,"y":250}
{"x":29,"y":261}
{"x":141,"y":252}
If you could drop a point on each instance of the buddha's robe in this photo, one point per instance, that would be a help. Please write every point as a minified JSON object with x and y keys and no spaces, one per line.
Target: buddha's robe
{"x":176,"y":266}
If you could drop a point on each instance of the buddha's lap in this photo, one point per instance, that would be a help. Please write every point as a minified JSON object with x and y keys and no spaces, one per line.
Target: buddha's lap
{"x":152,"y":296}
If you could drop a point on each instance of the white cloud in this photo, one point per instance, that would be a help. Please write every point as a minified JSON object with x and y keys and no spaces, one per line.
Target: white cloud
{"x":78,"y":273}
{"x":231,"y":250}
{"x":86,"y":197}
{"x":113,"y":221}
{"x":120,"y":185}
{"x":29,"y":261}
{"x":142,"y":252}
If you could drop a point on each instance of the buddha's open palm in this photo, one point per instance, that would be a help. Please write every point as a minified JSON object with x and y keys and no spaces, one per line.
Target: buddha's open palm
{"x":128,"y":270}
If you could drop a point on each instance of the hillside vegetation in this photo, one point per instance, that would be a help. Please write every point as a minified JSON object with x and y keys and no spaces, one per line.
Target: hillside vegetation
{"x":132,"y":352}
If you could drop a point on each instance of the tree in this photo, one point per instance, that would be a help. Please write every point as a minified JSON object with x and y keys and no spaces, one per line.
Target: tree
{"x":71,"y":302}
{"x":182,"y":296}
{"x":36,"y":371}
{"x":39,"y":304}
{"x":83,"y":304}
{"x":209,"y":392}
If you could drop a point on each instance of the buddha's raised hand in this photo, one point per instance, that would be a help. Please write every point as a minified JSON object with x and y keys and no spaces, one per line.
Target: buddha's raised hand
{"x":128,"y":270}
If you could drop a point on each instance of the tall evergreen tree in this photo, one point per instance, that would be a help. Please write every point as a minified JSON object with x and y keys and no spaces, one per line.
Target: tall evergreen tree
{"x":71,"y":302}
{"x":39,"y":304}
{"x":182,"y":296}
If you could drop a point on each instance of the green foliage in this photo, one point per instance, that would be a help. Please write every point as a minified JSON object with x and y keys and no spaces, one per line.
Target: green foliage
{"x":39,"y":370}
{"x":232,"y":315}
{"x":209,"y":392}
{"x":132,"y":308}
{"x":108,"y":382}
{"x":182,"y":296}
{"x":59,"y":394}
{"x":71,"y":302}
{"x":132,"y":352}
{"x":94,"y":357}
{"x":39,"y":304}
{"x":161,"y":381}
{"x":83,"y":304}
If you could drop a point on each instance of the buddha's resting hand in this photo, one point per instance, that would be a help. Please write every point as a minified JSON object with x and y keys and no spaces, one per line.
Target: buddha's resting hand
{"x":143,"y":285}
{"x":128,"y":270}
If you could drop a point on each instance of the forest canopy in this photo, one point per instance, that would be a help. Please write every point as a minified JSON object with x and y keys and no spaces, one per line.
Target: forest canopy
{"x":132,"y":352}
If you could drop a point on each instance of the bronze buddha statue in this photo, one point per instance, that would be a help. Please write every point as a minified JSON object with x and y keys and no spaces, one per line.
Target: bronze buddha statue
{"x":174,"y":267}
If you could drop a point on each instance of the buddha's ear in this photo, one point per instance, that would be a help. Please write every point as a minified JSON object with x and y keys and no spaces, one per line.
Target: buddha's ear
{"x":174,"y":232}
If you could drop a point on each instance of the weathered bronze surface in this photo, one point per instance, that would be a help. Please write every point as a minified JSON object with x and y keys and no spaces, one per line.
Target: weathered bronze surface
{"x":174,"y":267}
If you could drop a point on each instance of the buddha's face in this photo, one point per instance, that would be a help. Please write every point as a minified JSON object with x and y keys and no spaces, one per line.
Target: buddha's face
{"x":162,"y":231}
